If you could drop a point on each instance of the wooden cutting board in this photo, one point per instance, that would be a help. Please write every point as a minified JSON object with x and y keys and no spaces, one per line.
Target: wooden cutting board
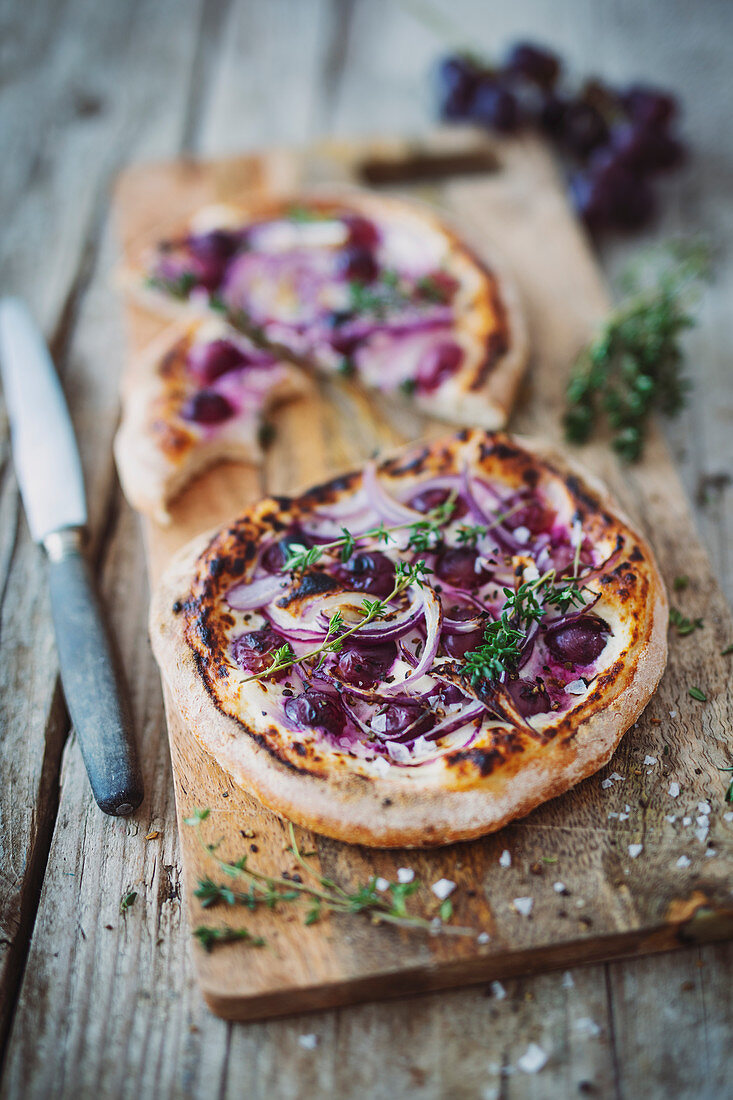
{"x":508,"y":196}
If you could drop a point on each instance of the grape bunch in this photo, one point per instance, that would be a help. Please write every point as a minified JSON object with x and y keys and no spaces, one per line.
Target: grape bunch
{"x":614,"y":140}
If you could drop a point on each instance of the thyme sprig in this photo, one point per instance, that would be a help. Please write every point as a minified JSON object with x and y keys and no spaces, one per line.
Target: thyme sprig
{"x":503,"y":636}
{"x":634,"y":364}
{"x":284,"y":657}
{"x":323,"y":895}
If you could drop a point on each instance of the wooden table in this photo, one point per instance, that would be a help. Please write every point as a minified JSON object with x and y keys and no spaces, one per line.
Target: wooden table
{"x":99,"y":1002}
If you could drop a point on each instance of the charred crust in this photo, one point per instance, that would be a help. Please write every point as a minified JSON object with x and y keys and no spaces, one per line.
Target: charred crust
{"x":311,"y":584}
{"x":415,"y":465}
{"x":636,"y":555}
{"x":580,"y":492}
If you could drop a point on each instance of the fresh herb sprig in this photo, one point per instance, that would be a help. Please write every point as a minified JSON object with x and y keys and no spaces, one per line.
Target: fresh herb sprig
{"x":634,"y":364}
{"x":682,"y":623}
{"x":284,"y":657}
{"x":322,"y":895}
{"x":503,"y":636}
{"x":209,"y":937}
{"x":729,"y":792}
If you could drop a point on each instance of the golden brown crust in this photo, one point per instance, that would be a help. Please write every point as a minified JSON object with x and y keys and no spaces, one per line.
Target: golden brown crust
{"x":490,"y":326}
{"x":507,"y":770}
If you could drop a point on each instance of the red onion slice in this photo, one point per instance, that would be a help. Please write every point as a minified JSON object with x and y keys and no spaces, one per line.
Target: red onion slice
{"x":433,"y":622}
{"x":251,"y":595}
{"x":386,"y":506}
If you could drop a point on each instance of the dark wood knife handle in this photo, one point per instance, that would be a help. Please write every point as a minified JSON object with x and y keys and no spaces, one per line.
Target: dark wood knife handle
{"x":95,"y":692}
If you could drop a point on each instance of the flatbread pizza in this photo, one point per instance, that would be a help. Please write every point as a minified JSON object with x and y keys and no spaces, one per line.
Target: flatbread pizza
{"x":419,"y":651}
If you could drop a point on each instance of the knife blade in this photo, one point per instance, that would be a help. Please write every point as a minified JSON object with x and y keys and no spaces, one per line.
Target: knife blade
{"x":49,"y":474}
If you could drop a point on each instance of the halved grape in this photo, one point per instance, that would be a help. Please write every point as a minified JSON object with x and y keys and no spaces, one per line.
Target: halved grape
{"x":209,"y":361}
{"x":459,"y":566}
{"x":369,"y":572}
{"x":207,"y":407}
{"x":365,"y":666}
{"x":438,"y":364}
{"x":534,"y":63}
{"x":316,"y":710}
{"x":580,"y":640}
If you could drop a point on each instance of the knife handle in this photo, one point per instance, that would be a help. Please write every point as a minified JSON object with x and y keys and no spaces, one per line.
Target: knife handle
{"x":95,"y":693}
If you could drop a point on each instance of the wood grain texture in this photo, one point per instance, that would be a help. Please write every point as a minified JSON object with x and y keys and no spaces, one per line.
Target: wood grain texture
{"x":615,"y":904}
{"x":68,"y":69}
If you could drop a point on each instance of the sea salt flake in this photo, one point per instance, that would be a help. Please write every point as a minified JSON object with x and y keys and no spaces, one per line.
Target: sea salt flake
{"x":702,"y":835}
{"x":684,"y":861}
{"x":728,"y":816}
{"x":405,"y":874}
{"x":606,"y":783}
{"x":522,"y":534}
{"x":559,"y":887}
{"x":523,"y":905}
{"x":498,"y":991}
{"x":627,"y":809}
{"x":613,"y":813}
{"x":703,"y":807}
{"x":586,"y":1026}
{"x":398,"y":752}
{"x":671,"y":818}
{"x":702,"y":821}
{"x":576,"y":687}
{"x":568,"y":982}
{"x":674,"y":790}
{"x":379,"y":723}
{"x":533,"y":1060}
{"x":483,"y":937}
{"x":308,"y":1042}
{"x":381,"y":766}
{"x":443,"y":888}
{"x":687,"y":821}
{"x":505,"y":859}
{"x":673,"y":714}
{"x":710,"y":853}
{"x":635,"y":850}
{"x":650,"y":760}
{"x":623,"y":817}
{"x":381,"y":884}
{"x":617,"y":778}
{"x":420,"y":745}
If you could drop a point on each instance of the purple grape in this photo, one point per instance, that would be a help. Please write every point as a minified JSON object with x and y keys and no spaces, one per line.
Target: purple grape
{"x":551,"y":117}
{"x":642,"y":148}
{"x":612,"y":196}
{"x":579,"y":640}
{"x":362,"y":232}
{"x":275,"y":556}
{"x":649,"y":105}
{"x":533,"y":515}
{"x":495,"y":106}
{"x":529,"y":698}
{"x":370,"y":572}
{"x":458,"y":566}
{"x":456,"y":81}
{"x":315,"y":710}
{"x":396,"y":720}
{"x":210,"y":361}
{"x":207,"y":407}
{"x":359,"y":264}
{"x":438,"y":364}
{"x":363,"y":667}
{"x":211,"y":253}
{"x":534,"y":63}
{"x":583,"y":128}
{"x":458,"y":645}
{"x":253,"y":651}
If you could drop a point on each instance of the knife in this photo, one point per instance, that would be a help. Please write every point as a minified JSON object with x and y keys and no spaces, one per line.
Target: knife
{"x":49,"y":474}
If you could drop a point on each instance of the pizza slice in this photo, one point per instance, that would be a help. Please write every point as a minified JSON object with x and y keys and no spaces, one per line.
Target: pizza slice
{"x":360,"y":284}
{"x":199,"y":396}
{"x":421,"y":651}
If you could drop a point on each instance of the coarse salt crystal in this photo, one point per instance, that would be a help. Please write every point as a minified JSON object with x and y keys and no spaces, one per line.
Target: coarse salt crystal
{"x":576,"y":687}
{"x":684,"y":861}
{"x":687,"y":821}
{"x":635,"y":850}
{"x":606,"y":783}
{"x":483,"y":937}
{"x":674,"y":790}
{"x":405,"y":874}
{"x":586,"y":1026}
{"x":617,"y":778}
{"x":443,"y":888}
{"x":703,"y":807}
{"x":379,"y":723}
{"x":559,"y":887}
{"x":710,"y":853}
{"x":623,"y":817}
{"x":381,"y":765}
{"x":308,"y":1042}
{"x":702,"y":835}
{"x":381,"y":884}
{"x":398,"y":752}
{"x":522,"y":534}
{"x":568,"y":982}
{"x":533,"y":1060}
{"x":650,"y":759}
{"x":498,"y":990}
{"x":671,"y":818}
{"x":613,"y":813}
{"x":627,"y":809}
{"x":673,"y":714}
{"x":505,"y":859}
{"x":702,"y":821}
{"x":524,"y":905}
{"x":420,"y":745}
{"x":728,"y":816}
